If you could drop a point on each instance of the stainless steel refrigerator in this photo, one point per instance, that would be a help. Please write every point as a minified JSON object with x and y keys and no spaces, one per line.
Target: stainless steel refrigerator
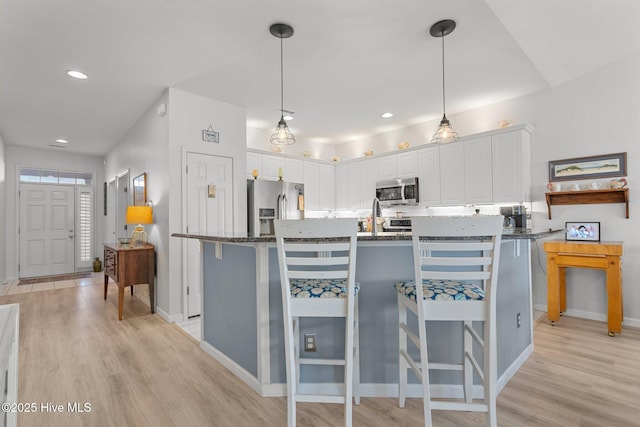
{"x":269,"y":200}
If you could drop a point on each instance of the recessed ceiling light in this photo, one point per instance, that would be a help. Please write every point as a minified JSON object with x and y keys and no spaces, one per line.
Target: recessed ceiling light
{"x":77,"y":74}
{"x":387,"y":115}
{"x":62,"y":141}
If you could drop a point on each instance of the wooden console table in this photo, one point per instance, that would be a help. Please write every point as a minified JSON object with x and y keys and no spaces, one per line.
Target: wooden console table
{"x":129,"y":266}
{"x":597,"y":255}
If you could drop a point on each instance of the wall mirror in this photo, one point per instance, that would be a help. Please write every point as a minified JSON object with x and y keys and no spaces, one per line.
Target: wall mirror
{"x":140,"y":190}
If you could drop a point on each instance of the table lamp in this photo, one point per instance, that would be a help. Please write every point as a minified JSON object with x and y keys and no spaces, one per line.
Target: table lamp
{"x":139,"y":215}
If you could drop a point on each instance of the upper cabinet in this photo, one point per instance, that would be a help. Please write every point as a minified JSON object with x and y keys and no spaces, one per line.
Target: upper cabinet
{"x":368,"y":179}
{"x":407,"y":165}
{"x":270,"y":167}
{"x":254,"y":162}
{"x":452,"y":174}
{"x":478,"y":181}
{"x":311,"y":186}
{"x":342,"y":185}
{"x":327,"y":182}
{"x":293,"y":170}
{"x":387,"y":167}
{"x":511,"y":161}
{"x":429,"y":175}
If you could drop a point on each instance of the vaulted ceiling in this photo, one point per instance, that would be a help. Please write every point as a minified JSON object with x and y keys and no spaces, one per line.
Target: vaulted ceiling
{"x":348,"y":61}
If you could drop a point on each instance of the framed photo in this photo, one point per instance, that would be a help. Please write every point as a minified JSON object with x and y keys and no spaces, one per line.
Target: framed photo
{"x":585,"y":231}
{"x":605,"y":166}
{"x":140,"y":190}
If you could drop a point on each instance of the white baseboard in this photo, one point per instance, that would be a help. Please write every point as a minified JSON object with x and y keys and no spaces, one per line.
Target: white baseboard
{"x":366,"y":390}
{"x":171,"y":318}
{"x":513,"y":368}
{"x":590,"y":315}
{"x":232,"y":366}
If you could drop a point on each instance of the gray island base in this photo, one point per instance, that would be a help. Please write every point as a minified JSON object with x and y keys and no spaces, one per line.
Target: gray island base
{"x":242,"y":315}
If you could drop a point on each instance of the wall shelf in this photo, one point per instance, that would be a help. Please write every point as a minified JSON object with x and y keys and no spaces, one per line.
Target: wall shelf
{"x":588,"y":197}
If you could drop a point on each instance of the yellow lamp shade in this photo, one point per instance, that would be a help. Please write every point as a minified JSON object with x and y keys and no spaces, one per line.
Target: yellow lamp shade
{"x":139,"y":215}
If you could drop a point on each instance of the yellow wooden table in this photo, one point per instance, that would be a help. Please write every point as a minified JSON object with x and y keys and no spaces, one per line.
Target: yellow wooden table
{"x":596,"y":255}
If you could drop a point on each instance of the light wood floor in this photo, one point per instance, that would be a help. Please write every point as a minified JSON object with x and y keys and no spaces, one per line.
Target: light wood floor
{"x":142,"y":371}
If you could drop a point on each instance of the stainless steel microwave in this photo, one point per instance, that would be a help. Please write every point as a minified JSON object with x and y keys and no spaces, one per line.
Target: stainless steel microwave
{"x":401,"y":191}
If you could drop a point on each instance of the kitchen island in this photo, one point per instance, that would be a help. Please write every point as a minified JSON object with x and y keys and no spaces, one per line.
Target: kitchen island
{"x":242,"y":313}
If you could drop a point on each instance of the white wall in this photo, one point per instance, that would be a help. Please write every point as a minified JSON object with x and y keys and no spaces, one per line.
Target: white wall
{"x":59,"y":159}
{"x":145,"y":148}
{"x":258,"y":139}
{"x":594,"y":114}
{"x":189,"y":115}
{"x":3,"y":212}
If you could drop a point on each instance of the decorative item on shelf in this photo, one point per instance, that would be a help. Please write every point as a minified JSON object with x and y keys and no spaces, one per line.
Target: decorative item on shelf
{"x":139,"y":215}
{"x":307,"y":154}
{"x":403,"y":145}
{"x":595,"y":186}
{"x":554,"y":186}
{"x":617,"y":184}
{"x":368,"y":153}
{"x":97,"y":265}
{"x":276,"y":149}
{"x":575,"y":187}
{"x":210,"y":135}
{"x":279,"y":174}
{"x":124,"y":240}
{"x":335,"y":159}
{"x":282,"y":135}
{"x":254,"y":173}
{"x":445,"y":133}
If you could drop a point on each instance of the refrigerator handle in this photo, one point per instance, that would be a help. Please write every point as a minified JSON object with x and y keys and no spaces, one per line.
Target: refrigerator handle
{"x":279,"y":210}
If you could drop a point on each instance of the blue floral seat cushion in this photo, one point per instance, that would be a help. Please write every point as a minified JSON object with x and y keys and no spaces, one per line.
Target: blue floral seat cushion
{"x":442,"y":290}
{"x":320,"y":288}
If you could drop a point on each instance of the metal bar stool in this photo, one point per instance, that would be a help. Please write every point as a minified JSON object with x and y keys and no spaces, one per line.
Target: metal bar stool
{"x":456,"y":260}
{"x":317,"y":260}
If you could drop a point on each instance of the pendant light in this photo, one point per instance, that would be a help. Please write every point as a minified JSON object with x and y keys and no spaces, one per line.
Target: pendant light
{"x":282,"y":135}
{"x":445,"y":132}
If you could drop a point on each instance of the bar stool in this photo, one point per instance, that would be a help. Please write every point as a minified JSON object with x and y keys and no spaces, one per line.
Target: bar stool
{"x":317,"y":274}
{"x":456,"y":260}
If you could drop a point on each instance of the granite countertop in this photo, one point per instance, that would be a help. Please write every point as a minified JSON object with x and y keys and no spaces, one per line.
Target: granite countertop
{"x":507,"y":234}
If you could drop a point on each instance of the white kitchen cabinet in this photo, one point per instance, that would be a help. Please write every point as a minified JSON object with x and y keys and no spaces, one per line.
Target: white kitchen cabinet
{"x":319,"y":186}
{"x":478,"y":176}
{"x":327,"y":183}
{"x":429,"y":175}
{"x":270,"y":166}
{"x":387,"y":168}
{"x":342,"y":186}
{"x":368,"y":179}
{"x":511,"y":160}
{"x":452,"y":174}
{"x":311,"y":186}
{"x":354,"y":190}
{"x":293,"y":170}
{"x":407,"y":165}
{"x":254,"y":161}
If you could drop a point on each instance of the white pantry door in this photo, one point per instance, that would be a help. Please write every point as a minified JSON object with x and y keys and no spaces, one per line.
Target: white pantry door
{"x":209,"y":211}
{"x":46,"y":230}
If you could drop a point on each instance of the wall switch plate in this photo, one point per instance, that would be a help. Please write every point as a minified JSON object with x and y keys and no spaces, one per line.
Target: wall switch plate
{"x":518,"y":320}
{"x":310,"y":342}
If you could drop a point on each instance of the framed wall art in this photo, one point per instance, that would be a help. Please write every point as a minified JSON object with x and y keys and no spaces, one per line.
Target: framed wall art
{"x":140,"y":190}
{"x":605,"y":166}
{"x":586,"y":231}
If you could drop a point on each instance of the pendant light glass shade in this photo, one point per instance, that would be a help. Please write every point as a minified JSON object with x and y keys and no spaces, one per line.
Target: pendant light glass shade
{"x":445,"y":133}
{"x":282,"y":135}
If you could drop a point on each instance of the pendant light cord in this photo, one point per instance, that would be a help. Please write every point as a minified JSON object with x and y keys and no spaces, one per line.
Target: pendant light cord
{"x":281,"y":81}
{"x":444,"y":111}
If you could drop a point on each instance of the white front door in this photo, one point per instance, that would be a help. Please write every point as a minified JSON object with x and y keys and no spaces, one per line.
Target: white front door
{"x":209,"y":210}
{"x":46,"y":230}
